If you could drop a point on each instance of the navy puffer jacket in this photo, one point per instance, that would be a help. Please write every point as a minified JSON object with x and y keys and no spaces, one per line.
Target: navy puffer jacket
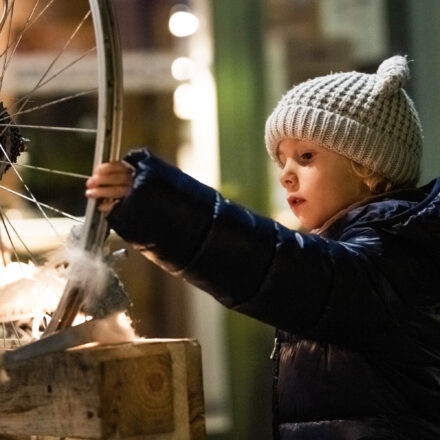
{"x":357,"y":307}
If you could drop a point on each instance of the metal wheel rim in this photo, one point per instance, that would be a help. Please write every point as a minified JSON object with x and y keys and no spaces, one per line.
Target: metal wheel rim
{"x":108,"y":139}
{"x":107,"y":147}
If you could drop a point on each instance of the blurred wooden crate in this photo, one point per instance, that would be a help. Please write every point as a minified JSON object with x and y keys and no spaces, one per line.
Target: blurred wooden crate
{"x":147,"y":389}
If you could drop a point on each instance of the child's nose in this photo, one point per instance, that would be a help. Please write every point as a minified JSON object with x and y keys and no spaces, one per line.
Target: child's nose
{"x":288,"y":177}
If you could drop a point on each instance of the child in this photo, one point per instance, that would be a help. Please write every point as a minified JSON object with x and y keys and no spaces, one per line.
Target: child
{"x":356,"y":301}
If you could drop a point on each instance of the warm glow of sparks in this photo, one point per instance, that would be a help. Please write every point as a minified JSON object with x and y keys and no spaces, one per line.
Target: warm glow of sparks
{"x":80,"y":319}
{"x":88,"y":345}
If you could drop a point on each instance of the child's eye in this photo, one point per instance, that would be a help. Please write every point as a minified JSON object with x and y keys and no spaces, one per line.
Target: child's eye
{"x":306,"y":157}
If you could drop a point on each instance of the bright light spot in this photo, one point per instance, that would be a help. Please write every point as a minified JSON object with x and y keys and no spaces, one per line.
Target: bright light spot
{"x":14,"y":214}
{"x":182,"y":68}
{"x":87,"y":345}
{"x":79,"y":319}
{"x":123,"y":321}
{"x":26,"y":292}
{"x":16,"y":271}
{"x":185,"y":101}
{"x":183,"y":23}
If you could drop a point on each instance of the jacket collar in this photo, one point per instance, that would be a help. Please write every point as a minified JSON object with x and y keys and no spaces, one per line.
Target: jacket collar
{"x":391,"y":208}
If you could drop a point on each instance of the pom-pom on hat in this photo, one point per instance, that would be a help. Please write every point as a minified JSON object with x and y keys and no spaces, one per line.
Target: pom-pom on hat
{"x":368,"y":118}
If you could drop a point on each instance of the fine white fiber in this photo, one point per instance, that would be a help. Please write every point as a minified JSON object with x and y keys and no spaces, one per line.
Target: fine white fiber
{"x":101,"y":290}
{"x":89,"y":272}
{"x":28,"y":291}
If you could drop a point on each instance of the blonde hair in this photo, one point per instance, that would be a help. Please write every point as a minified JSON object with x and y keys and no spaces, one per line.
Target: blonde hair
{"x":376,"y":183}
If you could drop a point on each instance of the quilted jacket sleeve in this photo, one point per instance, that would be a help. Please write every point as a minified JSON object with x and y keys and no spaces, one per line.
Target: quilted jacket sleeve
{"x":297,"y":282}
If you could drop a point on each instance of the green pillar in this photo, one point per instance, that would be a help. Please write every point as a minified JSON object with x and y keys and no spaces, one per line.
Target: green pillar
{"x":239,"y":76}
{"x":424,"y":17}
{"x":239,"y":67}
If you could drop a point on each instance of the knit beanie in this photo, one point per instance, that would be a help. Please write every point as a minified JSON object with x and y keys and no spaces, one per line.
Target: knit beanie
{"x":368,"y":118}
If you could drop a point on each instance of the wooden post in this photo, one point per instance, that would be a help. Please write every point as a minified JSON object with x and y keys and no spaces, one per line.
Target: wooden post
{"x":147,"y":389}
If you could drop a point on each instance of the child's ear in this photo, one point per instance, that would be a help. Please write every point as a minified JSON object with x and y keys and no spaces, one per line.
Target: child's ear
{"x":375,"y":182}
{"x":361,"y":170}
{"x":367,"y":176}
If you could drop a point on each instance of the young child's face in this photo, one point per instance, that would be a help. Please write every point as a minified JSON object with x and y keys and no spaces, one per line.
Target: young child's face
{"x":319,"y":182}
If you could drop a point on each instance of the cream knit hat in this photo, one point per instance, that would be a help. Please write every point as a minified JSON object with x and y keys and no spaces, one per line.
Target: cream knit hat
{"x":368,"y":118}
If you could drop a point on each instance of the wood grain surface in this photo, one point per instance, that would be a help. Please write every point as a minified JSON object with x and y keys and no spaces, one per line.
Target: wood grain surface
{"x":149,"y":389}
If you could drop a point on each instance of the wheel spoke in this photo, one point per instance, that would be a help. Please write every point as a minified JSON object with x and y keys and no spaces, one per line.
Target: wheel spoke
{"x":48,"y":104}
{"x":23,"y":104}
{"x":49,"y":170}
{"x":67,"y":66}
{"x":15,"y":332}
{"x":56,"y":74}
{"x":30,"y":254}
{"x":32,"y":197}
{"x":11,"y":242}
{"x":51,"y":128}
{"x":10,"y":11}
{"x":35,"y":94}
{"x":44,"y":205}
{"x":66,"y":44}
{"x":27,"y":26}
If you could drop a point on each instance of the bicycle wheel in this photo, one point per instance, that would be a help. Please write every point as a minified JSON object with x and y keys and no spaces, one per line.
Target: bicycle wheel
{"x":60,"y":116}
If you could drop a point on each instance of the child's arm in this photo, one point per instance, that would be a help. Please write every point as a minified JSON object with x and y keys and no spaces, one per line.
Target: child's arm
{"x":110,"y":182}
{"x":166,"y":211}
{"x":297,"y":282}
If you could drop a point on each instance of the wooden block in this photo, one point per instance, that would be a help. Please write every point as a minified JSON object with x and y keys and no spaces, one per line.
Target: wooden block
{"x":150,"y":389}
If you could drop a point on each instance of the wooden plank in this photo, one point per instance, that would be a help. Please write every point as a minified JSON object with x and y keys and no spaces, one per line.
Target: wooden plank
{"x":196,"y":406}
{"x":137,"y":396}
{"x":150,"y":389}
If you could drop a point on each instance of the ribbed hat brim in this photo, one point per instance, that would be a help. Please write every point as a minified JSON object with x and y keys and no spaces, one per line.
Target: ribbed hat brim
{"x":378,"y":151}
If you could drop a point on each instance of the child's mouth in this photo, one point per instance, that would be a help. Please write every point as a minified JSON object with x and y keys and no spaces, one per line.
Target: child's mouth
{"x":294,"y":202}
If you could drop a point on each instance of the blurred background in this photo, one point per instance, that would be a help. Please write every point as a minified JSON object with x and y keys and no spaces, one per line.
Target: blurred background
{"x":200,"y":78}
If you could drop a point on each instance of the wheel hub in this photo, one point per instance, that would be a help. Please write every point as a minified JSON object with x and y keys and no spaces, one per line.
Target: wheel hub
{"x":11,"y":141}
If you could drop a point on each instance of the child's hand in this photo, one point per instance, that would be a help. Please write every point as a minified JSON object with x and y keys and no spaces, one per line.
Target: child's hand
{"x":111,"y":182}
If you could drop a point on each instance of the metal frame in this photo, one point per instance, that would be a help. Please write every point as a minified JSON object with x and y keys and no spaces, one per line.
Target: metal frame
{"x":108,"y":139}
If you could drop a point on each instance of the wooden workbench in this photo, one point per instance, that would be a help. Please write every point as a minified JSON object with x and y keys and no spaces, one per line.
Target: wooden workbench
{"x":150,"y":389}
